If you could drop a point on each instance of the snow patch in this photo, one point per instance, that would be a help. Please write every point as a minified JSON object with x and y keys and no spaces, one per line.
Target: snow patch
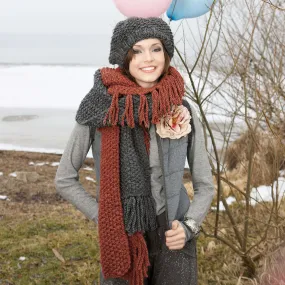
{"x":31,"y":149}
{"x":229,"y":201}
{"x":265,"y":193}
{"x":261,"y":194}
{"x":38,"y":164}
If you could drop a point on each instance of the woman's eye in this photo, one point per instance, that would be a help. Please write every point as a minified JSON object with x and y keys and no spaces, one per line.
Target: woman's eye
{"x":135,"y":51}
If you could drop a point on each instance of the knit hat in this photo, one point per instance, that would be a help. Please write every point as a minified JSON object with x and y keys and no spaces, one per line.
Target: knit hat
{"x":133,"y":30}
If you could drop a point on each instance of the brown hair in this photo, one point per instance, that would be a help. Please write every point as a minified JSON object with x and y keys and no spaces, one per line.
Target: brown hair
{"x":129,"y":57}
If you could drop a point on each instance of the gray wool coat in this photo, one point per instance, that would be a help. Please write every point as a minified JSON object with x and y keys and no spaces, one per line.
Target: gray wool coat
{"x":172,"y":156}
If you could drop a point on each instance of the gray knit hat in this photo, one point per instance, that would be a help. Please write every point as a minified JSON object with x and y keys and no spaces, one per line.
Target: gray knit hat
{"x":133,"y":30}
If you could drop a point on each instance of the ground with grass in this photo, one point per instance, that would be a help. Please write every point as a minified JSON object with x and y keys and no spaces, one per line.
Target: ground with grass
{"x":45,"y":240}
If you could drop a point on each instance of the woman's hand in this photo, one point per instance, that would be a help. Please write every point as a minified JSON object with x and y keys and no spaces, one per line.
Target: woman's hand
{"x":176,"y":237}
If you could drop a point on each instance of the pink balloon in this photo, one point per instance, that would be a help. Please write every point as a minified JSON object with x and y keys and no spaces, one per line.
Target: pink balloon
{"x":142,"y":8}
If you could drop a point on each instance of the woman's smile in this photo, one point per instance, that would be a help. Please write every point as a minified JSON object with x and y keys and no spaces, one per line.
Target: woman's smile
{"x":148,"y":69}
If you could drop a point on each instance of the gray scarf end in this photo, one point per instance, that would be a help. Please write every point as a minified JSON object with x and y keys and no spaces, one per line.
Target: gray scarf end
{"x":139,"y":214}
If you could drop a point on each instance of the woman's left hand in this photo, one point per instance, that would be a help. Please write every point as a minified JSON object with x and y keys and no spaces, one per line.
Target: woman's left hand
{"x":175,"y":238}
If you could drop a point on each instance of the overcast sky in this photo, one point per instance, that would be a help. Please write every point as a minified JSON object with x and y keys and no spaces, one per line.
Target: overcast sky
{"x":58,"y":31}
{"x":61,"y":17}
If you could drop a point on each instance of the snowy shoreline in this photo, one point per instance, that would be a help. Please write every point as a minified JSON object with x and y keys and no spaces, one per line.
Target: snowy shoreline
{"x":10,"y":147}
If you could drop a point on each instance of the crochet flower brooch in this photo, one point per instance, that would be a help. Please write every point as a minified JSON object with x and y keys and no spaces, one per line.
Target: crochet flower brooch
{"x":176,"y":124}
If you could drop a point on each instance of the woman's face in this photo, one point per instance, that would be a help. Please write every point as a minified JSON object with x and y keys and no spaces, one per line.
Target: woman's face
{"x":148,"y":62}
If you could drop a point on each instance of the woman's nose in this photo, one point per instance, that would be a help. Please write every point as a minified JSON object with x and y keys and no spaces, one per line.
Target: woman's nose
{"x":148,"y":56}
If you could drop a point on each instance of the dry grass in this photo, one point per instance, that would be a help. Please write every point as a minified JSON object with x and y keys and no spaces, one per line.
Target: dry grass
{"x":269,"y":157}
{"x":33,"y":231}
{"x":35,"y":221}
{"x":274,"y":269}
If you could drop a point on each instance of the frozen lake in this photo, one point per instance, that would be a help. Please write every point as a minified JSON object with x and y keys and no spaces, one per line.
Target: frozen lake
{"x":48,"y":128}
{"x":38,"y":106}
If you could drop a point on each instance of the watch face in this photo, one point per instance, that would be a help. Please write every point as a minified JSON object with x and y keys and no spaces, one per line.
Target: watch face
{"x":192,"y":225}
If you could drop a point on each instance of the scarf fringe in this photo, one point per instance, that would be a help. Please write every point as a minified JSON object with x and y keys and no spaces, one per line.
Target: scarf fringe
{"x":146,"y":137}
{"x":140,"y":260}
{"x":113,"y":114}
{"x":155,"y":108}
{"x":143,"y":111}
{"x":129,"y":113}
{"x":139,"y":210}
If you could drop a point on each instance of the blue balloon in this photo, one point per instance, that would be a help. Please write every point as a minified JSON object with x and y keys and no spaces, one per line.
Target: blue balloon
{"x":180,"y":9}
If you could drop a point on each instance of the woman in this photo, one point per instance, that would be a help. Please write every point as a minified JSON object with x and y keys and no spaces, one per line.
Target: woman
{"x":141,"y":131}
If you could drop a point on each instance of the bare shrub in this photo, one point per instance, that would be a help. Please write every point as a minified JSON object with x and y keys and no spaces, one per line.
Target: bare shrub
{"x":237,"y":83}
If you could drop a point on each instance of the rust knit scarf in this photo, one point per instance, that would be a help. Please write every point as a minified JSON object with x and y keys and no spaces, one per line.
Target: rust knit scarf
{"x":123,"y":111}
{"x":169,"y":91}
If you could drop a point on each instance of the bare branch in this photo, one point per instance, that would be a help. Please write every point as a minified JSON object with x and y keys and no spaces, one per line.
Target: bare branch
{"x":274,"y":6}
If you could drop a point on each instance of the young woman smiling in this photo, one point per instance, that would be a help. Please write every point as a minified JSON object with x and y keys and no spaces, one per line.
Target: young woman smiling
{"x":141,"y":131}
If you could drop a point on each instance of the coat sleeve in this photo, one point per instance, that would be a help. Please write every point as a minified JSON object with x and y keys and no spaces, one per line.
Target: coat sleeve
{"x":201,"y":174}
{"x":67,"y":176}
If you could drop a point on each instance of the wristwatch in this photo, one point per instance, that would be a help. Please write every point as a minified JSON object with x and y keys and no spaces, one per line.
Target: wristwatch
{"x":191,"y":225}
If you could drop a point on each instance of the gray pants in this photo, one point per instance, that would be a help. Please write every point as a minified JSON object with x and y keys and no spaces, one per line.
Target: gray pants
{"x":168,"y":267}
